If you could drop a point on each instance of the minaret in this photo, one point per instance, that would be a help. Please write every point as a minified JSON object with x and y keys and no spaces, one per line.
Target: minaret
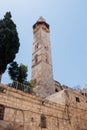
{"x":41,"y":59}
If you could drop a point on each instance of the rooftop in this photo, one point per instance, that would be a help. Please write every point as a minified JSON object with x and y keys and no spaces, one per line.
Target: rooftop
{"x":41,"y":19}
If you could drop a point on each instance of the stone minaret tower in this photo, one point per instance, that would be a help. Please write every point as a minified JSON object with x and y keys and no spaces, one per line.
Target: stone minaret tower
{"x":41,"y":59}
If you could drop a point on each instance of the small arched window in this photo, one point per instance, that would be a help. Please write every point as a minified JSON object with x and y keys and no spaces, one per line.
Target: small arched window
{"x":46,"y":47}
{"x":43,"y":121}
{"x":36,"y":58}
{"x":46,"y":59}
{"x":77,"y":99}
{"x":36,"y":46}
{"x":56,"y":90}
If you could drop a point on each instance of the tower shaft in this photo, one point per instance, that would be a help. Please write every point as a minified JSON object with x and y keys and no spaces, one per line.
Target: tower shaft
{"x":41,"y":59}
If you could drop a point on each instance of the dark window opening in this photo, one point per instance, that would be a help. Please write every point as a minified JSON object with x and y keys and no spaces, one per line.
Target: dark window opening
{"x":46,"y":59}
{"x":56,"y":90}
{"x":36,"y":46}
{"x":2,"y":108}
{"x":32,"y":119}
{"x":77,"y":99}
{"x":43,"y":121}
{"x":82,"y":93}
{"x":36,"y":58}
{"x":86,"y":94}
{"x":46,"y":47}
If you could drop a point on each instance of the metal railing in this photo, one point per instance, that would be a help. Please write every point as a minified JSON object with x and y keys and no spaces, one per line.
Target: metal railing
{"x":20,"y":86}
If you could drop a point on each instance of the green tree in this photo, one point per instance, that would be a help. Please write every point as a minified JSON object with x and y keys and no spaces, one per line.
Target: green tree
{"x":18,"y":73}
{"x":13,"y":71}
{"x":9,"y":42}
{"x":30,"y":84}
{"x":22,"y":77}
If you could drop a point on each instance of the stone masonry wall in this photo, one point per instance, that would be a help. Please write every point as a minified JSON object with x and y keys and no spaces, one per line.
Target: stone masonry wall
{"x":23,"y":112}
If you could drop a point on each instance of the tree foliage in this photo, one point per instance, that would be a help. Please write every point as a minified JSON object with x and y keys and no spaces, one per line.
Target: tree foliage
{"x":13,"y":71}
{"x":22,"y":77}
{"x":9,"y":42}
{"x":18,"y":73}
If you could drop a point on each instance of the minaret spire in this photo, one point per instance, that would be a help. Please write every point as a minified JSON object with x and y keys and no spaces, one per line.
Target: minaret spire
{"x":41,"y":19}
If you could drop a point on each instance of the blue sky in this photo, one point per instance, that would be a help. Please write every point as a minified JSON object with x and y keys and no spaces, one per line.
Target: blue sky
{"x":68,"y":26}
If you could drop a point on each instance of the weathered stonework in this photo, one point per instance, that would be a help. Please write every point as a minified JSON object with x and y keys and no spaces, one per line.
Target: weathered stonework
{"x":61,"y":110}
{"x":41,"y":59}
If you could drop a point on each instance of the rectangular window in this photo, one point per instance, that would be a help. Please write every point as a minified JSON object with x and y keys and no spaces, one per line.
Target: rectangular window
{"x":43,"y":121}
{"x":86,"y":94}
{"x":77,"y":99}
{"x":2,"y":108}
{"x":82,"y":93}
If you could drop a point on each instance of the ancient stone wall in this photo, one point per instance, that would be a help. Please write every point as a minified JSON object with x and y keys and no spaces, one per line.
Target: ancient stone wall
{"x":27,"y":112}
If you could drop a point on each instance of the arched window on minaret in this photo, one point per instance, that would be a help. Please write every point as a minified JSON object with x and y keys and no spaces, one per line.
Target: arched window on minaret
{"x":36,"y":46}
{"x":36,"y":58}
{"x":46,"y":58}
{"x":46,"y":47}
